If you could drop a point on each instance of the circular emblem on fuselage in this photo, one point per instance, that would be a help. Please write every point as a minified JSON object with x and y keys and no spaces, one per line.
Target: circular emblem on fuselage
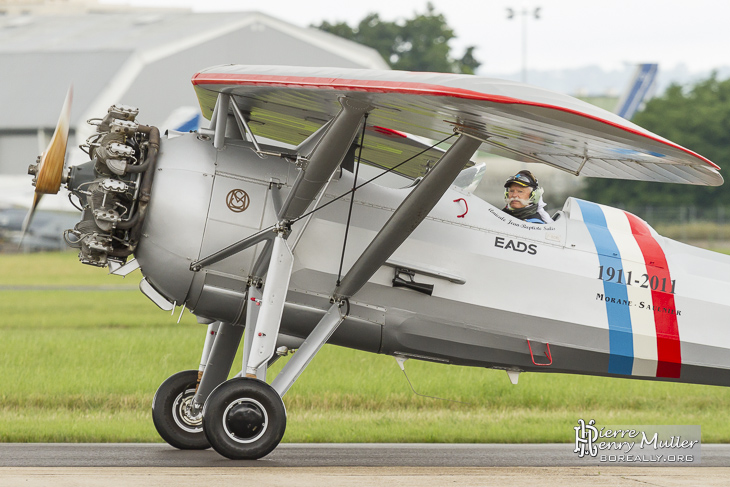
{"x":237,"y":200}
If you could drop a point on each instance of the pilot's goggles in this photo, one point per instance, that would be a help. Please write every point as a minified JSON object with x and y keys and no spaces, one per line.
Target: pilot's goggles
{"x":522,"y":180}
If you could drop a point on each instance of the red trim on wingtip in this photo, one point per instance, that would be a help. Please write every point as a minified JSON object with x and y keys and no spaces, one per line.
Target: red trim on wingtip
{"x":409,"y":88}
{"x":391,"y":132}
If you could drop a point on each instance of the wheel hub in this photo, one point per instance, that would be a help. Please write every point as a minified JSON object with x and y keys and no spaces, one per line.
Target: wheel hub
{"x":245,"y":420}
{"x":188,"y":414}
{"x":184,"y":415}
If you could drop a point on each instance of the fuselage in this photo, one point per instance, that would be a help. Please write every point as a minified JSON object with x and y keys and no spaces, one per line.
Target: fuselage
{"x":596,"y":292}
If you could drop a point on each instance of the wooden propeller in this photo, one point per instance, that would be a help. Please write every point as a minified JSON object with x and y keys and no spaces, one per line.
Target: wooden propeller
{"x":49,"y":171}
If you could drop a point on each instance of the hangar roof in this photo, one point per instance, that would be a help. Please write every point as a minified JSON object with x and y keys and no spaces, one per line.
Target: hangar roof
{"x":144,"y":59}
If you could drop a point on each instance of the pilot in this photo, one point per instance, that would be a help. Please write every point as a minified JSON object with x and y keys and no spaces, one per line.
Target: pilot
{"x":523,"y":198}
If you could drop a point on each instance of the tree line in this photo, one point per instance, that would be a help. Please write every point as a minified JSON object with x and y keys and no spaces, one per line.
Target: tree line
{"x":420,"y":43}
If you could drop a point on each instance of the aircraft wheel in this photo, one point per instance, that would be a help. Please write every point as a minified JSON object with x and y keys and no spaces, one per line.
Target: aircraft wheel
{"x":171,"y":412}
{"x":244,"y":419}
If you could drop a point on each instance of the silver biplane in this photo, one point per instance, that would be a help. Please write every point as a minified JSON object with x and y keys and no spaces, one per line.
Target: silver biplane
{"x":262,"y":226}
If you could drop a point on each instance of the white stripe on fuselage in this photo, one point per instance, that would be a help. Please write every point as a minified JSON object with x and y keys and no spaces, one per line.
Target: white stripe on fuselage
{"x":642,"y":320}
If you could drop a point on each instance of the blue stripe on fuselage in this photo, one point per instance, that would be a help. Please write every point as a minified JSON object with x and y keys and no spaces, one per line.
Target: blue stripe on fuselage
{"x":620,"y":337}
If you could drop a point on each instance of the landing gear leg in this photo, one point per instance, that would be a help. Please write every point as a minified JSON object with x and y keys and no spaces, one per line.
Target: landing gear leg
{"x":245,"y":418}
{"x":219,"y":362}
{"x":253,"y":306}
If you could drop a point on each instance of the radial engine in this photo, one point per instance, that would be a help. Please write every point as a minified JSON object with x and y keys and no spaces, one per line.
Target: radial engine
{"x":112,"y":189}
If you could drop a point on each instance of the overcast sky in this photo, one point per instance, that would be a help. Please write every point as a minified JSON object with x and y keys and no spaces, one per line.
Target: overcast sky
{"x":568,"y":34}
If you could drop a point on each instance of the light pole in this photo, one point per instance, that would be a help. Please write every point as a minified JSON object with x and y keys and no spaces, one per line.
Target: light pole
{"x":511,"y":14}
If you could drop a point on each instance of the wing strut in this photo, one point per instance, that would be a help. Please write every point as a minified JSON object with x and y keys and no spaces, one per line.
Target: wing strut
{"x":325,"y":158}
{"x":221,"y":120}
{"x":396,"y":230}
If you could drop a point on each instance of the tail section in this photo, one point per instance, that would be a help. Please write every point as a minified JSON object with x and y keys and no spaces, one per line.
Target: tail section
{"x":640,"y":88}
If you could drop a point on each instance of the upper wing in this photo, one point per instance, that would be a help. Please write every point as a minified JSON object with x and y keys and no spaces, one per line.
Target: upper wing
{"x":522,"y":122}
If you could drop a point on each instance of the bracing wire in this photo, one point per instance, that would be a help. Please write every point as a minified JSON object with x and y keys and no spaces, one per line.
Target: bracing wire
{"x":352,"y":198}
{"x":373,"y":179}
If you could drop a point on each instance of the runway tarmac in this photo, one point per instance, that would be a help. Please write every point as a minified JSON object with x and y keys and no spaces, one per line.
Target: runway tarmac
{"x":293,"y":455}
{"x":356,"y":465}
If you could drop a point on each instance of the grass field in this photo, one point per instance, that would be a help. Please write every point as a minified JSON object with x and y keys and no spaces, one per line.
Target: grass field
{"x":82,"y":353}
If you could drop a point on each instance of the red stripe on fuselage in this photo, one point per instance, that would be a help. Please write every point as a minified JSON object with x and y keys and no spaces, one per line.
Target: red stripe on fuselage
{"x":669,"y":352}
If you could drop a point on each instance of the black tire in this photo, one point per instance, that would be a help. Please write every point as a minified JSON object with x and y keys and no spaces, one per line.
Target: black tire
{"x":168,"y":412}
{"x":244,"y":419}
